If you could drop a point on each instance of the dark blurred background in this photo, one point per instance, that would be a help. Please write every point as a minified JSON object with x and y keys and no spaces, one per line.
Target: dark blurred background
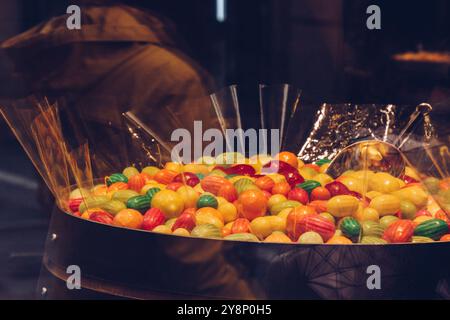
{"x":320,"y":46}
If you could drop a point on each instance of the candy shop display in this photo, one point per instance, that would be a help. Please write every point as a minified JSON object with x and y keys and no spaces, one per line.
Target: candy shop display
{"x":279,"y":200}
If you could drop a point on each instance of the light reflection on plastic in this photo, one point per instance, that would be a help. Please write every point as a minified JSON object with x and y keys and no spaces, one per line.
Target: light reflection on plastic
{"x":220,"y":10}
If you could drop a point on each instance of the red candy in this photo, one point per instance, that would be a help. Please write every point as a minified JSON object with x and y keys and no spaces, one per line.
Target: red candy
{"x":186,"y":220}
{"x":241,"y":169}
{"x":319,"y":224}
{"x":298,"y":194}
{"x":188,"y":178}
{"x":399,"y":231}
{"x":293,"y":178}
{"x":74,"y":204}
{"x":102,"y":217}
{"x":153,"y":218}
{"x":276,"y":166}
{"x":337,"y":188}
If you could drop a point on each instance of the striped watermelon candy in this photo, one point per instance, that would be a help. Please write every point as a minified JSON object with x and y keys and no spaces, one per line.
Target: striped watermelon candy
{"x":372,"y":229}
{"x":139,"y":203}
{"x":433,"y":228}
{"x":319,"y":224}
{"x":207,"y":200}
{"x":116,"y":177}
{"x":350,"y":227}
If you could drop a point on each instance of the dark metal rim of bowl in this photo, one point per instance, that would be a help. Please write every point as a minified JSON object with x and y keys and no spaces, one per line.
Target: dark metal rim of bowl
{"x":124,"y":263}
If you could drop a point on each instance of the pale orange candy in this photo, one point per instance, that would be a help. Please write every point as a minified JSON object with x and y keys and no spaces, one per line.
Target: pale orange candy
{"x":288,"y":157}
{"x":128,"y":218}
{"x":418,"y":220}
{"x":339,"y":240}
{"x":278,"y":237}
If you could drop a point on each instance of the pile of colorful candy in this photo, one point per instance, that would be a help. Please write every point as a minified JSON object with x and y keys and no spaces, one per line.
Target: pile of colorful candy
{"x":270,"y":200}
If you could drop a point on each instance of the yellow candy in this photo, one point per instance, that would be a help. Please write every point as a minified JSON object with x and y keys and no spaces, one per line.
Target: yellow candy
{"x":130,"y":171}
{"x":236,"y":178}
{"x":421,"y":219}
{"x":169,"y":202}
{"x":275,"y":199}
{"x":353,"y":184}
{"x":181,"y":232}
{"x":228,"y":211}
{"x":385,"y":204}
{"x":410,"y":172}
{"x":209,"y":216}
{"x":174,"y":166}
{"x":162,"y":229}
{"x":364,"y":175}
{"x":384,"y":183}
{"x":342,"y":206}
{"x":367,"y":214}
{"x":99,"y":190}
{"x":373,"y":194}
{"x":277,"y":223}
{"x":414,"y":194}
{"x":323,"y":178}
{"x":277,"y":178}
{"x":151,"y":170}
{"x":196,"y":168}
{"x":284,"y":213}
{"x":199,"y":188}
{"x":307,"y":173}
{"x":261,"y":227}
{"x":189,"y":196}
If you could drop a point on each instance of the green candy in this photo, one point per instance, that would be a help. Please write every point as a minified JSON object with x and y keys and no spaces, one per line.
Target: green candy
{"x":322,"y":161}
{"x":420,"y":239}
{"x":309,"y":185}
{"x":242,"y":237}
{"x":408,"y":209}
{"x":372,"y":240}
{"x":139,"y":203}
{"x":124,"y":195}
{"x":372,"y":229}
{"x":200,"y":176}
{"x":350,"y":227}
{"x":229,"y":176}
{"x":433,"y":228}
{"x":116,"y":177}
{"x":386,"y":221}
{"x":151,"y":193}
{"x":206,"y":231}
{"x":113,"y":206}
{"x":207,"y":200}
{"x":244,"y":184}
{"x":92,"y":202}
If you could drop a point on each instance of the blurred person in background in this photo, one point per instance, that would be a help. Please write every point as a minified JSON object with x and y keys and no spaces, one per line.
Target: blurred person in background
{"x":123,"y":58}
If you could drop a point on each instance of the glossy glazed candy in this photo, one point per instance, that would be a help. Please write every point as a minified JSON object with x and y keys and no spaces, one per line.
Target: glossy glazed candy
{"x":281,"y":200}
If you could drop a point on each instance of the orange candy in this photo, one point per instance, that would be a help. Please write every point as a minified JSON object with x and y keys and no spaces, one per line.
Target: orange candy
{"x":281,"y":188}
{"x":252,"y":204}
{"x":288,"y":157}
{"x":240,"y":225}
{"x":118,"y":186}
{"x":319,"y":205}
{"x":174,"y":186}
{"x":136,"y":182}
{"x":445,"y":237}
{"x":320,"y":193}
{"x":265,"y":183}
{"x":278,"y":237}
{"x":228,"y":191}
{"x":128,"y":218}
{"x":213,"y":183}
{"x":339,"y":240}
{"x":165,"y":176}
